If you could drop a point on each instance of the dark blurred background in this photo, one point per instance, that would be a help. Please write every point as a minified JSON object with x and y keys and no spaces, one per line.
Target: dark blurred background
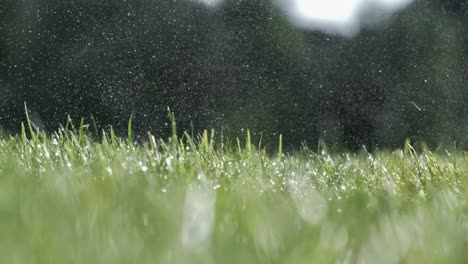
{"x":240,"y":66}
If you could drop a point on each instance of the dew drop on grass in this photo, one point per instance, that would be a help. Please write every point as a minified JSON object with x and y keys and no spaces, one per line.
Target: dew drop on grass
{"x":169,"y":164}
{"x":143,"y":167}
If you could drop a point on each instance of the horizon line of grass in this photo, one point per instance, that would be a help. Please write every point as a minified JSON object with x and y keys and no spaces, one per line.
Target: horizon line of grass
{"x":79,"y":134}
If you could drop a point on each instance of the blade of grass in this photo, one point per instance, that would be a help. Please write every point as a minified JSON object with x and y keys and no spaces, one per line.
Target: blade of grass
{"x":280,"y":146}
{"x":129,"y":131}
{"x":30,"y":126}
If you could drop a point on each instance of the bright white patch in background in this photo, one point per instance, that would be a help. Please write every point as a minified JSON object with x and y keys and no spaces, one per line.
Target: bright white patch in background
{"x":199,"y":216}
{"x":343,"y":17}
{"x":210,"y":3}
{"x":330,"y":11}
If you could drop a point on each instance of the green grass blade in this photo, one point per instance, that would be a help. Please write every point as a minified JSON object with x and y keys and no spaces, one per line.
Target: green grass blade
{"x":129,"y":131}
{"x":30,"y":125}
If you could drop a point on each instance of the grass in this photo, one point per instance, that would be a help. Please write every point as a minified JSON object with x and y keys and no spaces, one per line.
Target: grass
{"x":66,"y":198}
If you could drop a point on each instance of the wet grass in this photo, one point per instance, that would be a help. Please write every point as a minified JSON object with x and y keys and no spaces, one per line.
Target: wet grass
{"x":67,"y":198}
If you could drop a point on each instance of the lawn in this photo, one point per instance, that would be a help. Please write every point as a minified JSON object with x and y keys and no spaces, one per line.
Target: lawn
{"x":69,"y":198}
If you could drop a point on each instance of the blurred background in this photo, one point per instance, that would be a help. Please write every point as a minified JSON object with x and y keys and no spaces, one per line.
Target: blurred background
{"x":237,"y":65}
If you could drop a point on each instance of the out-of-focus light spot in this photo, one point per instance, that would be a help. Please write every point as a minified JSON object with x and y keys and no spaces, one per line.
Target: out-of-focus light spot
{"x":210,"y":3}
{"x":343,"y":17}
{"x":331,"y":11}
